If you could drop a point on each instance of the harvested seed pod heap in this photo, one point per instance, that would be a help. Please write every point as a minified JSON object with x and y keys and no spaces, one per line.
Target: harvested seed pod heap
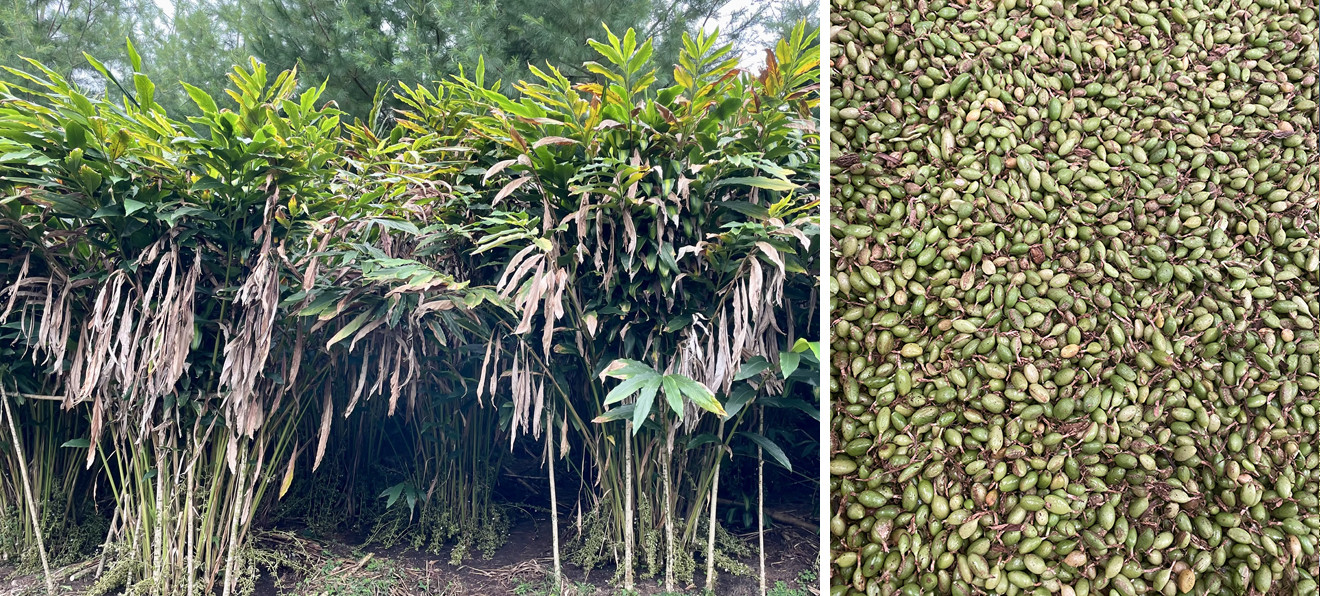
{"x":1075,"y":298}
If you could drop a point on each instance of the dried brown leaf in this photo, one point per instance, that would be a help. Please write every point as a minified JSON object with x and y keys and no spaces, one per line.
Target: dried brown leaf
{"x":327,"y":414}
{"x":509,"y":188}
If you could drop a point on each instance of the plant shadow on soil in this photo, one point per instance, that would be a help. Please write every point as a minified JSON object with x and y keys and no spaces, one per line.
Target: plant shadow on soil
{"x":340,"y":566}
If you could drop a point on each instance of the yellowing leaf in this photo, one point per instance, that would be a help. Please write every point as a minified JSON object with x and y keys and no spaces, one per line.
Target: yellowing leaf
{"x":697,"y":393}
{"x":288,"y":474}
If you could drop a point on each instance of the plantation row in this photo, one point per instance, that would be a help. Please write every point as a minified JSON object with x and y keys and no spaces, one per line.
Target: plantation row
{"x":269,"y":316}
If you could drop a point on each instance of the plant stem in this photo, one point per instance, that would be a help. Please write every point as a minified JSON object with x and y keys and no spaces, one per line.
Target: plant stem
{"x":627,"y":507}
{"x":188,"y":512}
{"x":105,"y":547}
{"x":27,"y":489}
{"x":158,"y":573}
{"x":760,"y":496}
{"x":554,"y":502}
{"x":690,"y":531}
{"x":669,"y":509}
{"x":236,"y":517}
{"x":714,"y":496}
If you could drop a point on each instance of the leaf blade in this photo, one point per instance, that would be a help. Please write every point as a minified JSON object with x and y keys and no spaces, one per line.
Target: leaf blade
{"x":770,"y":448}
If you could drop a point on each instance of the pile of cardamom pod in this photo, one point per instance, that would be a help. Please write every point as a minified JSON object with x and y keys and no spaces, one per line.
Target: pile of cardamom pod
{"x":1075,"y":267}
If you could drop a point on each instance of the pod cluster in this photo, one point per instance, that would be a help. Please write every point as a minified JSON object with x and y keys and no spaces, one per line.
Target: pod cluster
{"x":1075,"y":266}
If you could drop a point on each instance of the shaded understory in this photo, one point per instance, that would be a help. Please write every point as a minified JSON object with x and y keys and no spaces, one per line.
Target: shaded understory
{"x":297,"y":559}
